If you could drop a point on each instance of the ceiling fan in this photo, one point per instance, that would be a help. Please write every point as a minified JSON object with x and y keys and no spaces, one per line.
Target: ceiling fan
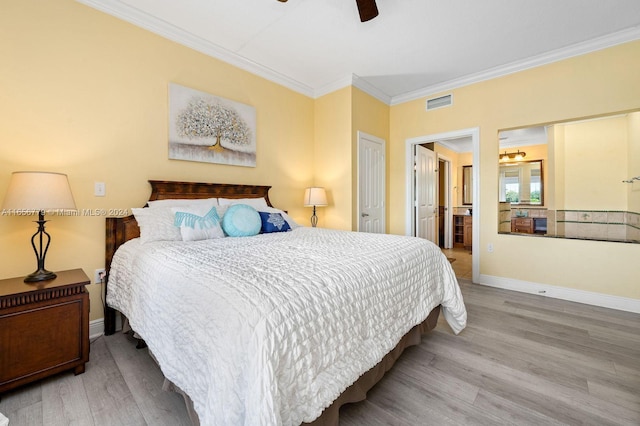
{"x":366,"y":8}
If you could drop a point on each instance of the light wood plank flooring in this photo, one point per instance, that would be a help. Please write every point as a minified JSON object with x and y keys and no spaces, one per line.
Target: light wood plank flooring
{"x":523,"y":359}
{"x":462,"y":264}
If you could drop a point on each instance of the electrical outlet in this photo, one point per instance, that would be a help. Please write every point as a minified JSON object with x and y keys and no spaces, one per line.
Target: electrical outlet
{"x":99,"y":275}
{"x":490,"y":248}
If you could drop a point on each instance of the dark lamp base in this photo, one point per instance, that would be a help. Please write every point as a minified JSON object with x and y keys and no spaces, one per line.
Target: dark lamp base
{"x":39,"y":275}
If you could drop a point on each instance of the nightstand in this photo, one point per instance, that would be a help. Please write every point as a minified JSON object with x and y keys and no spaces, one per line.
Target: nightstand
{"x":44,"y":328}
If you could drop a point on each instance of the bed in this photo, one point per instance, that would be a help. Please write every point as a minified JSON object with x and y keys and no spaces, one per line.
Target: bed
{"x":283,"y":327}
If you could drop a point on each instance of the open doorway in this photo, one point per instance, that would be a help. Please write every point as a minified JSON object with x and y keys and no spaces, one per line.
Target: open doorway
{"x":455,"y":188}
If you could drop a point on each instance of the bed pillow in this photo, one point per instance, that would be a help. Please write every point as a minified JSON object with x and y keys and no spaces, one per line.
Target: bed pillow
{"x":241,"y":220}
{"x":181,"y":202}
{"x":292,"y":223}
{"x":156,"y":224}
{"x":256,"y":203}
{"x":199,"y":222}
{"x":273,"y":222}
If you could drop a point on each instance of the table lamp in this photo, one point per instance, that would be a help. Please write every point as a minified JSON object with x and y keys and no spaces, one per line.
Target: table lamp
{"x":315,"y":196}
{"x":31,"y":192}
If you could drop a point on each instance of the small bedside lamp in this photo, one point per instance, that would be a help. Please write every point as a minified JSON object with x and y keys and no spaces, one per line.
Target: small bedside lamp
{"x":38,"y":191}
{"x":315,"y":196}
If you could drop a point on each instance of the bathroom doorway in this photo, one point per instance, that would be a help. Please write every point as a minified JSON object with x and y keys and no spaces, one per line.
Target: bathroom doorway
{"x":473,"y":134}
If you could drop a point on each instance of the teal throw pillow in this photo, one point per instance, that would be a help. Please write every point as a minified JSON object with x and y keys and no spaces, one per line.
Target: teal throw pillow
{"x":241,"y":220}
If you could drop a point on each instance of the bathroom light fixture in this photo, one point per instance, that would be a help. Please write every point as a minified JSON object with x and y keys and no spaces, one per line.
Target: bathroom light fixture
{"x":517,"y":156}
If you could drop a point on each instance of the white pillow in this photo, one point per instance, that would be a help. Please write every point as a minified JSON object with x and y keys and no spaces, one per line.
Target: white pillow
{"x":199,"y":222}
{"x":292,"y":223}
{"x":181,"y":202}
{"x":156,"y":224}
{"x":256,"y":203}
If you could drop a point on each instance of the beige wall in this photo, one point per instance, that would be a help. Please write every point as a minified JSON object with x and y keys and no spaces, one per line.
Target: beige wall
{"x":339,"y":116}
{"x":595,"y":164}
{"x":592,"y":158}
{"x":333,"y":157}
{"x":633,"y":169}
{"x":85,"y":94}
{"x":600,"y":82}
{"x":370,"y":116}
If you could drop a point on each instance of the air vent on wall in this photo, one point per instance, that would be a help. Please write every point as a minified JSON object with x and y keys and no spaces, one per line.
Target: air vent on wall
{"x":440,"y":102}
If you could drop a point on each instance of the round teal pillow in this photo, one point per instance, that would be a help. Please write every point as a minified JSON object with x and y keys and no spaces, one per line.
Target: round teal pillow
{"x":241,"y":220}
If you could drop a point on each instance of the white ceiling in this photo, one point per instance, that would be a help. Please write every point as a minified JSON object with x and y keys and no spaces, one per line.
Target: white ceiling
{"x":412,"y":49}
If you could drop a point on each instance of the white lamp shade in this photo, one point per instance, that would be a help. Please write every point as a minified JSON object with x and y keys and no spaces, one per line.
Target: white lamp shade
{"x":38,"y":191}
{"x":315,"y":196}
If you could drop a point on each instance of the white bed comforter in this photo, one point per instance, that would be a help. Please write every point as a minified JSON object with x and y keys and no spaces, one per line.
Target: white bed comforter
{"x":270,"y":329}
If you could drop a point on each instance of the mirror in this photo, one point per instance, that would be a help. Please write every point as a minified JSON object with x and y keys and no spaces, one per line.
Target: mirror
{"x":588,"y":175}
{"x":467,"y":185}
{"x":521,"y":183}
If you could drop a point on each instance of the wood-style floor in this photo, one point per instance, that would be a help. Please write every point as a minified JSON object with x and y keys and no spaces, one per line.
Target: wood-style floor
{"x":523,"y":359}
{"x":461,"y":261}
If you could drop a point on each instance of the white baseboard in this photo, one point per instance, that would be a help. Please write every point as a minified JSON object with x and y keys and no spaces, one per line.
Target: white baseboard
{"x":564,"y":293}
{"x":96,"y":327}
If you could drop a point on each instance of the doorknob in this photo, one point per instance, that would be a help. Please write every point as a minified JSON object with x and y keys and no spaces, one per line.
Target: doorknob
{"x":364,"y":214}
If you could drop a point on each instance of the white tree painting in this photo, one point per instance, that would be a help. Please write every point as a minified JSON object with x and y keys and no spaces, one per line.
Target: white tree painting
{"x":207,"y":128}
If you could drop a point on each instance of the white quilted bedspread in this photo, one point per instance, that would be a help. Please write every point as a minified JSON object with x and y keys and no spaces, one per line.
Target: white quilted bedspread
{"x":269,"y":330}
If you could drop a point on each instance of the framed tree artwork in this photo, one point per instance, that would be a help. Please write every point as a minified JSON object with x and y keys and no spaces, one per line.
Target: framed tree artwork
{"x":211,"y":129}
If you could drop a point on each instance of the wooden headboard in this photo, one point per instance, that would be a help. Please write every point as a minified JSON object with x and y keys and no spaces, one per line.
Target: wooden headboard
{"x":121,"y":229}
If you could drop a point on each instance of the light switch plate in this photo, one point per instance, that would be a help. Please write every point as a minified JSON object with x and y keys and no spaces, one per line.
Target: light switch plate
{"x":99,"y":189}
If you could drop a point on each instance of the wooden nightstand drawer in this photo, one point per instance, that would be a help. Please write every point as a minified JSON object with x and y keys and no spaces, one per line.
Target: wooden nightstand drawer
{"x":44,"y":328}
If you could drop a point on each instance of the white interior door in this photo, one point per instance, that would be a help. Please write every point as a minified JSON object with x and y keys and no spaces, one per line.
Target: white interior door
{"x":371,"y":183}
{"x":425,"y":197}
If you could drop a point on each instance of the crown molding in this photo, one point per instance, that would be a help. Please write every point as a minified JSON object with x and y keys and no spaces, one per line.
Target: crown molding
{"x":459,"y":146}
{"x":367,"y":87}
{"x":164,"y":29}
{"x":578,"y":49}
{"x":355,"y":81}
{"x":333,"y":86}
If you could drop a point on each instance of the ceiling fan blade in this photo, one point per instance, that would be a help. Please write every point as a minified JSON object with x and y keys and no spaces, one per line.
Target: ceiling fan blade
{"x":367,"y":9}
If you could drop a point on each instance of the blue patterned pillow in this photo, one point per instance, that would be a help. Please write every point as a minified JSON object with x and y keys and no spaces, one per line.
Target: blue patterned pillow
{"x":241,"y":220}
{"x":273,"y":222}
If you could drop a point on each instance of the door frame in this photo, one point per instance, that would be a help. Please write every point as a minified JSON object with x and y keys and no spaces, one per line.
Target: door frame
{"x":363,"y":135}
{"x":474,"y":133}
{"x":448,"y":219}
